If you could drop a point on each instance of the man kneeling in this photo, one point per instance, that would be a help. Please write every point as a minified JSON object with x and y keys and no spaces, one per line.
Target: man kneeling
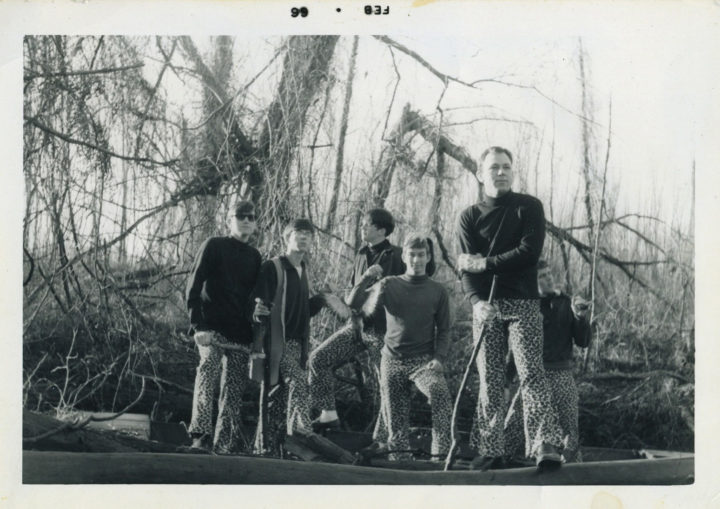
{"x":416,"y":343}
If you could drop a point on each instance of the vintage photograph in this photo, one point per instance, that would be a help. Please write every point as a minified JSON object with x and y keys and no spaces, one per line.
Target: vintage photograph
{"x":321,"y":259}
{"x":289,"y":248}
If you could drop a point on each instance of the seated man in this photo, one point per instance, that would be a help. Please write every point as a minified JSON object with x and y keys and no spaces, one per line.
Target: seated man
{"x":416,"y":343}
{"x":564,"y":321}
{"x":363,"y":333}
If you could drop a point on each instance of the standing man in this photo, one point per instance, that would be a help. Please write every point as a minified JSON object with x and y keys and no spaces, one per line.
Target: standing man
{"x":283,"y":293}
{"x":218,"y":300}
{"x":416,"y":344}
{"x":565,"y":321}
{"x":362,"y":333}
{"x":503,"y":236}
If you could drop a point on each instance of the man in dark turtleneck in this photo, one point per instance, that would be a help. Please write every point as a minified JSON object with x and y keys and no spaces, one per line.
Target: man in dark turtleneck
{"x":219,"y":304}
{"x":380,"y":257}
{"x":502,"y":236}
{"x":416,"y":344}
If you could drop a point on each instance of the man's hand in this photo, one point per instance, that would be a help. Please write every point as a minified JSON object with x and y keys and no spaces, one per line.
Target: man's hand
{"x":472,"y":263}
{"x":580,"y":307}
{"x":484,"y":311}
{"x":203,"y":337}
{"x":435,"y":365}
{"x":260,"y":310}
{"x":373,"y":272}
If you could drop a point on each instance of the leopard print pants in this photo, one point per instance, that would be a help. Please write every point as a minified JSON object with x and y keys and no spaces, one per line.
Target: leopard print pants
{"x":288,"y":402}
{"x":231,"y":367}
{"x":335,"y":351}
{"x":564,"y":403}
{"x":519,"y":325}
{"x":395,"y":386}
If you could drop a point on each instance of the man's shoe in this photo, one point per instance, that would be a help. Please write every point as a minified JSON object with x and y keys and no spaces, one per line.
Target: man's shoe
{"x":320,"y":427}
{"x":484,"y":463}
{"x":548,"y":458}
{"x":202,"y":444}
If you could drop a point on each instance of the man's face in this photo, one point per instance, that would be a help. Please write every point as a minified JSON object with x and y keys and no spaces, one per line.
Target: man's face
{"x":370,"y":233}
{"x":300,"y":240}
{"x":497,"y":174}
{"x":416,"y":260}
{"x":242,"y":225}
{"x":546,"y":281}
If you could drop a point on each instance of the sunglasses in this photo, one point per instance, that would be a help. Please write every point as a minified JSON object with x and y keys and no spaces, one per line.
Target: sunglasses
{"x":249,"y":217}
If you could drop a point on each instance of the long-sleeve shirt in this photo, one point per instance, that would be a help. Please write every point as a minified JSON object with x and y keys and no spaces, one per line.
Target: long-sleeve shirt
{"x":417,"y":311}
{"x":389,"y":258}
{"x":299,"y":306}
{"x":521,"y":223}
{"x":219,"y":288}
{"x":560,"y":329}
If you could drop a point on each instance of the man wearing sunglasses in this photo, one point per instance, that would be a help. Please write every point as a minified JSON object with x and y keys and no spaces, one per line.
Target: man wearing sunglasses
{"x":219,"y":303}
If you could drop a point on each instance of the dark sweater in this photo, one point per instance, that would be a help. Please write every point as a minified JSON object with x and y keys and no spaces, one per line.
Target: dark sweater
{"x":517,"y":247}
{"x":560,"y":329}
{"x":299,"y":306}
{"x":417,"y":311}
{"x":218,"y":291}
{"x":389,"y":257}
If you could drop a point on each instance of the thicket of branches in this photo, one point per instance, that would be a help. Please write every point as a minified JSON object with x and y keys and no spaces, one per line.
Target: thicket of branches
{"x":134,"y":148}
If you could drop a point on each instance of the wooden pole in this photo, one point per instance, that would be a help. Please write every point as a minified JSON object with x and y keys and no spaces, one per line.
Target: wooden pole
{"x":450,"y":459}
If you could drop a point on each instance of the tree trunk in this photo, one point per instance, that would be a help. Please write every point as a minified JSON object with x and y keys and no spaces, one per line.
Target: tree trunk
{"x":332,"y":209}
{"x":305,"y":69}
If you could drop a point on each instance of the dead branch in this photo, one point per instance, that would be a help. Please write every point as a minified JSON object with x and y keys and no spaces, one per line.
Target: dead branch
{"x":109,"y":70}
{"x":32,"y":266}
{"x":617,"y":375}
{"x":445,"y":78}
{"x":35,"y":122}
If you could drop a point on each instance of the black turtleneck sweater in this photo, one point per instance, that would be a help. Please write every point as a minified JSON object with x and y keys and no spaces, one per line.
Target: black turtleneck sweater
{"x":417,"y":310}
{"x":219,"y":288}
{"x":389,"y":257}
{"x":516,"y":250}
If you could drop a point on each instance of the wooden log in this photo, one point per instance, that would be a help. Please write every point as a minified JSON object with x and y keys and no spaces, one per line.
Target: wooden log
{"x":40,"y":467}
{"x":311,"y":447}
{"x":80,"y":440}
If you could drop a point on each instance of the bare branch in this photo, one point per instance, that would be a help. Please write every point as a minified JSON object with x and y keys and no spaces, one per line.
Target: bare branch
{"x":109,"y":70}
{"x":33,"y":121}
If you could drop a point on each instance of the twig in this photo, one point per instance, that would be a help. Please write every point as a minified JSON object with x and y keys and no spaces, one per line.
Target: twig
{"x":617,"y":375}
{"x":29,"y":77}
{"x":597,"y":238}
{"x":159,"y":380}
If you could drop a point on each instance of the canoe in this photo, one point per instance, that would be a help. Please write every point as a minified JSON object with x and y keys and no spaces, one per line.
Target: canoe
{"x":87,"y":456}
{"x":52,"y":467}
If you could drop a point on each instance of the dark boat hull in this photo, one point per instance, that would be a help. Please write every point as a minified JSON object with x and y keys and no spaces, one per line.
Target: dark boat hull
{"x":50,"y":467}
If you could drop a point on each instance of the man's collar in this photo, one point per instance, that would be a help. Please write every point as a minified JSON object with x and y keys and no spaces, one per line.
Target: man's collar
{"x":501,"y":200}
{"x":377,"y":248}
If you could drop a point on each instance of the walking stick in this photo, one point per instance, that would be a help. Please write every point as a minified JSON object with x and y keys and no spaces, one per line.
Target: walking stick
{"x":261,"y":330}
{"x":450,"y":459}
{"x":265,"y":393}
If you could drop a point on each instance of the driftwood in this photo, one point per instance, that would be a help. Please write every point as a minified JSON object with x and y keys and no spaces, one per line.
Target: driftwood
{"x":147,"y":468}
{"x":311,"y":447}
{"x":58,"y":436}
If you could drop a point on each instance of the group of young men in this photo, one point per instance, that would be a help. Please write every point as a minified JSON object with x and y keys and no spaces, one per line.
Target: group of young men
{"x":401,"y":318}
